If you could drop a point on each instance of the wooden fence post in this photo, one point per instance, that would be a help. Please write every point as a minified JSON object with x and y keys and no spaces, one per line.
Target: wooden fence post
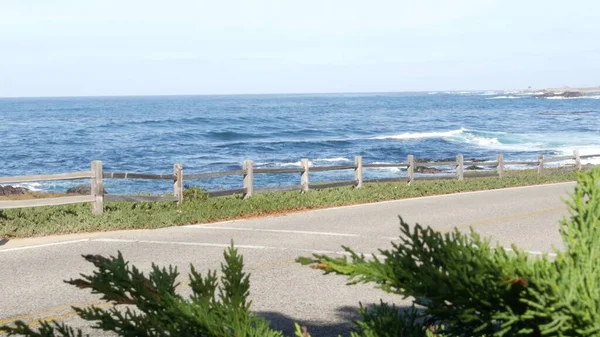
{"x":304,"y":176}
{"x":97,"y":188}
{"x":178,"y":183}
{"x":540,"y":164}
{"x":500,"y":168}
{"x":577,"y":160}
{"x":460,"y":169}
{"x":411,"y":168}
{"x":358,"y":171}
{"x":248,"y":179}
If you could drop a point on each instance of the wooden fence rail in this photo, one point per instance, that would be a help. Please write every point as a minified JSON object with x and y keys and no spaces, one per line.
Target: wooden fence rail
{"x":97,"y":176}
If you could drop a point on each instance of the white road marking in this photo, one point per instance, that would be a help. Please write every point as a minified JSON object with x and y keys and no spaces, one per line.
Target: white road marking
{"x":216,"y":245}
{"x":251,"y":229}
{"x":221,"y":245}
{"x":532,"y":252}
{"x":43,"y":245}
{"x":285,"y":231}
{"x":182,"y":243}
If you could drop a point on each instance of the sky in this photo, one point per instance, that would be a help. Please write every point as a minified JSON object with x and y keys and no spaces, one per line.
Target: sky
{"x":195,"y":47}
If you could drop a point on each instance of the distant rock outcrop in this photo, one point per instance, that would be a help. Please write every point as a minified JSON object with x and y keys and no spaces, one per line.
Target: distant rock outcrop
{"x":427,"y":170}
{"x":11,"y":190}
{"x":565,"y":94}
{"x":474,"y":168}
{"x":82,"y":189}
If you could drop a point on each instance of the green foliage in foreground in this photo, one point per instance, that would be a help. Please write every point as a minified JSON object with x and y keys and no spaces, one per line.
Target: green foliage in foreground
{"x":197,"y":208}
{"x":461,"y":286}
{"x":467,"y":288}
{"x":217,"y":307}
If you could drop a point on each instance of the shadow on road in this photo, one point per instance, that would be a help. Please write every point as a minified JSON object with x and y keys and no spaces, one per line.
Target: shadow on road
{"x":344,"y":321}
{"x":344,"y":317}
{"x":3,"y":241}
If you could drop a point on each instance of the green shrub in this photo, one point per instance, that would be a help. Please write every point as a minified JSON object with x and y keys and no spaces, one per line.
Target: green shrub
{"x":466,"y":287}
{"x":194,"y":193}
{"x":217,"y":306}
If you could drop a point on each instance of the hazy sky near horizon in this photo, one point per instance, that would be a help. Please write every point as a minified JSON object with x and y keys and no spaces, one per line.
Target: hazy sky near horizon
{"x":148,"y":47}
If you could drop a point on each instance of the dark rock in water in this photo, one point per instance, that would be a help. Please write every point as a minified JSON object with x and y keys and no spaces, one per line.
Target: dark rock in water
{"x":11,"y":190}
{"x":474,"y":168}
{"x":425,"y":169}
{"x":430,"y":160}
{"x":82,"y":189}
{"x":561,"y":94}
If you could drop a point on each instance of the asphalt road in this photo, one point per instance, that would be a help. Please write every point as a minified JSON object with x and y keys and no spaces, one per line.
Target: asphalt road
{"x":32,"y":270}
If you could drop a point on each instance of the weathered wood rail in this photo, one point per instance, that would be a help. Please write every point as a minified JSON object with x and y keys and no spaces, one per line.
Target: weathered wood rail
{"x":97,"y":176}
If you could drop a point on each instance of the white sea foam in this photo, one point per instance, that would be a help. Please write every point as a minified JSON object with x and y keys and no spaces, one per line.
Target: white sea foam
{"x":317,"y":162}
{"x":388,"y":169}
{"x":504,"y":97}
{"x":585,"y":150}
{"x":333,"y":160}
{"x":530,"y":93}
{"x":35,"y":187}
{"x":494,"y":143}
{"x":582,"y":97}
{"x":281,"y":164}
{"x":420,"y":135}
{"x":488,"y":93}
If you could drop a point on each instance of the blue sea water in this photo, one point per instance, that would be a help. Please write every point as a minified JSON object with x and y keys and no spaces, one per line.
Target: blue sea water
{"x":216,"y":133}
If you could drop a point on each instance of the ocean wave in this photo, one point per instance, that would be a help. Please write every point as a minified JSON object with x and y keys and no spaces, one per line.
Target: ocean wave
{"x":333,"y":160}
{"x":459,"y":92}
{"x":34,"y":187}
{"x":582,"y":97}
{"x":282,"y":164}
{"x":231,"y":135}
{"x":495,"y":144}
{"x":489,"y":93}
{"x":530,"y":93}
{"x":421,"y":135}
{"x":313,"y":162}
{"x":160,"y":122}
{"x":566,"y":113}
{"x":496,"y":140}
{"x":585,"y":150}
{"x":504,"y":97}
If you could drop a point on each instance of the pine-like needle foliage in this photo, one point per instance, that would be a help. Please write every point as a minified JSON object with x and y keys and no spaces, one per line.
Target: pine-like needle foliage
{"x":147,"y":305}
{"x":466,"y":287}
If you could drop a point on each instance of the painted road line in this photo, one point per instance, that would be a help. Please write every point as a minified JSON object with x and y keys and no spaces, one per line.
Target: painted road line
{"x":65,"y":315}
{"x":43,"y":245}
{"x":305,"y":250}
{"x":285,"y":231}
{"x":181,"y":243}
{"x":218,"y":245}
{"x":514,"y":217}
{"x":533,"y":252}
{"x":46,"y":313}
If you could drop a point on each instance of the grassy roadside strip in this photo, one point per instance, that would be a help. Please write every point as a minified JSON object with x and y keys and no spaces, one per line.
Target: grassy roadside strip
{"x":29,"y":222}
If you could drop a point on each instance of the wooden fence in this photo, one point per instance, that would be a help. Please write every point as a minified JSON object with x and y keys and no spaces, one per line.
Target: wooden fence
{"x":97,"y":176}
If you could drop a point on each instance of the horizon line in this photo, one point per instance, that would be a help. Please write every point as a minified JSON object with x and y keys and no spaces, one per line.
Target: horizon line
{"x":261,"y":94}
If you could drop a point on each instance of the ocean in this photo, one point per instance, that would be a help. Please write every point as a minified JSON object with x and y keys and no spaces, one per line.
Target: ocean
{"x":217,"y":133}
